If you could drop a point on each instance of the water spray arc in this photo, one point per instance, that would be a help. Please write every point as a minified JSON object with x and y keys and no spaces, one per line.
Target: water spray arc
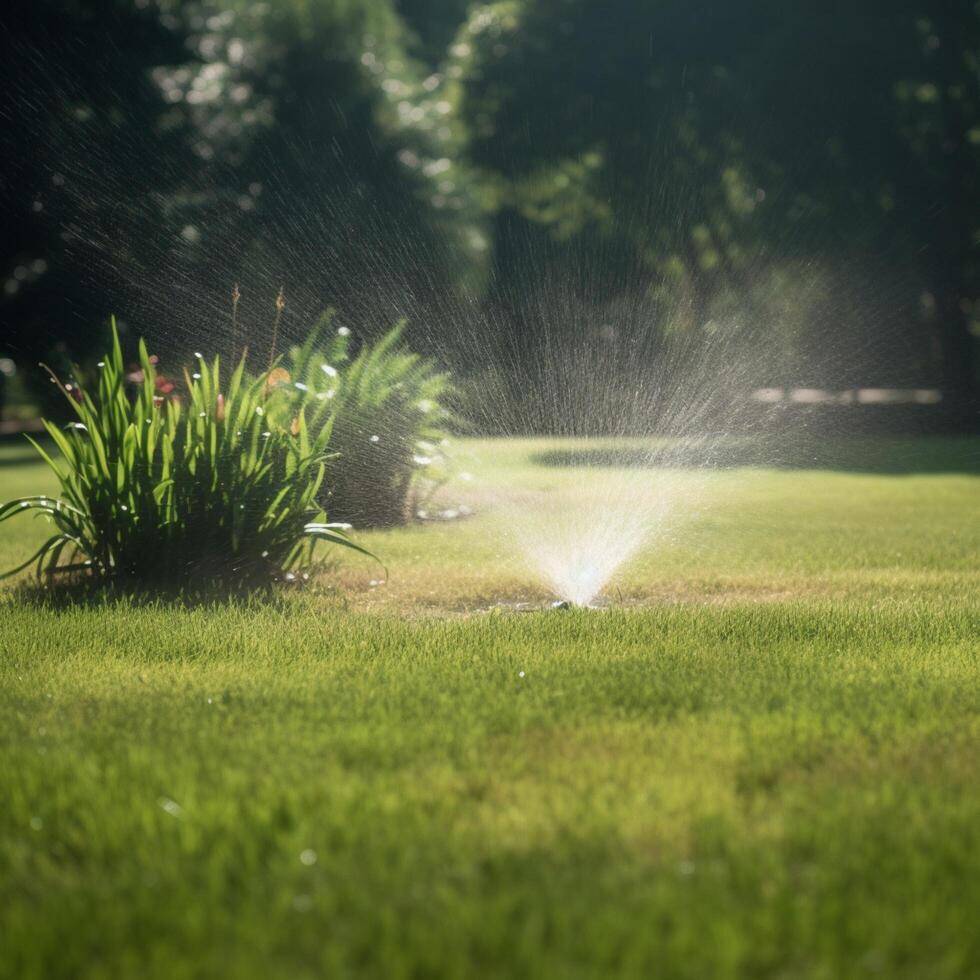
{"x":633,"y":422}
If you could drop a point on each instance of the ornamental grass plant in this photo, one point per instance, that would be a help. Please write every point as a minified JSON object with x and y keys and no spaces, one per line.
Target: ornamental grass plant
{"x":193,"y":485}
{"x":385,"y":409}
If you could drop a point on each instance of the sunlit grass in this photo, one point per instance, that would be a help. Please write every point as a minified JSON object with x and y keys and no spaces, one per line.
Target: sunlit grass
{"x":760,"y":762}
{"x":741,"y":534}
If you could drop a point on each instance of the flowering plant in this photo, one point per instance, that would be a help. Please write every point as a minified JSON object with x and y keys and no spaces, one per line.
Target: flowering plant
{"x":215,"y":487}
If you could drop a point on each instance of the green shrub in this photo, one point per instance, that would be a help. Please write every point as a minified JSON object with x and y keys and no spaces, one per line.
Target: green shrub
{"x":212,"y":488}
{"x":385,"y":409}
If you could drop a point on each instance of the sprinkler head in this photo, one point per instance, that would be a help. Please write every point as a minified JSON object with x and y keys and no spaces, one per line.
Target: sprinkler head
{"x":561,"y":604}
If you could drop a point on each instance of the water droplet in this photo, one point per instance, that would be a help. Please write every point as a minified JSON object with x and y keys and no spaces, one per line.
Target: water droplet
{"x":171,"y":807}
{"x":308,"y":857}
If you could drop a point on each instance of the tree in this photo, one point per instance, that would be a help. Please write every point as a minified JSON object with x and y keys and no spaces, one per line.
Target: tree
{"x":88,"y":159}
{"x":761,"y":161}
{"x":288,"y":144}
{"x":324,"y":164}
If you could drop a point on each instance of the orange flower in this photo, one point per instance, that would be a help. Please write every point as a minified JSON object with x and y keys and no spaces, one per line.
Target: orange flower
{"x":277,"y":376}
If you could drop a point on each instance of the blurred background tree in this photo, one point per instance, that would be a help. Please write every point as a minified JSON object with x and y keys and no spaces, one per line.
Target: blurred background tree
{"x":813,"y":169}
{"x":802,"y":178}
{"x":89,"y":161}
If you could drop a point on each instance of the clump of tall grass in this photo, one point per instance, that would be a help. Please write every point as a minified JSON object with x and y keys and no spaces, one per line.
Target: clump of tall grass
{"x":209,"y":487}
{"x":385,"y":409}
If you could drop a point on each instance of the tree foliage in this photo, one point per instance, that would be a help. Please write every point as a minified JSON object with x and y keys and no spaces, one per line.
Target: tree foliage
{"x":812,"y":168}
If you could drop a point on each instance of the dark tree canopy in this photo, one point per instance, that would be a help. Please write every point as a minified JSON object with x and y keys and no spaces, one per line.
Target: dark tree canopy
{"x":810,"y":169}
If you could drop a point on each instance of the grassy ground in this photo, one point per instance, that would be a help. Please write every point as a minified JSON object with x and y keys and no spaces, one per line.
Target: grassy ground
{"x":761,"y":762}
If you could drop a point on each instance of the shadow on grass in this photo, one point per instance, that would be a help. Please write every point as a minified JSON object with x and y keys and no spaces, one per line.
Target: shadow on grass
{"x":882,"y":455}
{"x":20,"y":456}
{"x":83,"y":593}
{"x":15,"y":450}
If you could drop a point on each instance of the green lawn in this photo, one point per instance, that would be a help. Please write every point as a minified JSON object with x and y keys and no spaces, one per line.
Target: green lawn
{"x":763,"y":760}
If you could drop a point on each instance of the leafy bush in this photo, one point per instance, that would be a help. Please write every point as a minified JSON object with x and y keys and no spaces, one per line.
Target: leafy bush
{"x":221,"y":492}
{"x":386,"y":414}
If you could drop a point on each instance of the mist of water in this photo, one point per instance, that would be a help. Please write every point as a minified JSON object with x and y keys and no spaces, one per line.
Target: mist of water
{"x":596,"y":364}
{"x":633,"y":414}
